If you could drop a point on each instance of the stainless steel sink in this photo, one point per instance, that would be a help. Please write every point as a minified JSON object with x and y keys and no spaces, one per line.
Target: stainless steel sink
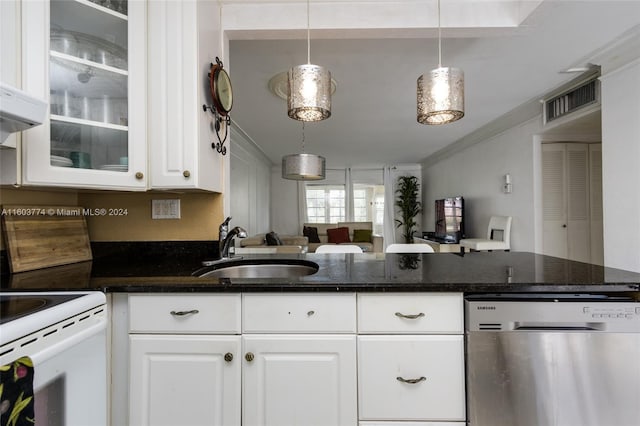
{"x":259,"y":268}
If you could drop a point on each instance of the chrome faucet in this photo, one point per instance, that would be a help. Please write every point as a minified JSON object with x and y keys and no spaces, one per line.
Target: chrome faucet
{"x":226,"y":237}
{"x":222,"y":234}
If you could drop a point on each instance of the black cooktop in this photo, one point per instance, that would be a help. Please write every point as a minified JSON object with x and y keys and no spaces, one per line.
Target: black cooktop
{"x":14,"y":306}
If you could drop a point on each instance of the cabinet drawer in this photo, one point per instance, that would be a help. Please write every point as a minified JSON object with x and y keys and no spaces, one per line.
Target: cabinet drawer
{"x":434,"y":363}
{"x":177,"y":313}
{"x":400,"y":313}
{"x":299,"y":313}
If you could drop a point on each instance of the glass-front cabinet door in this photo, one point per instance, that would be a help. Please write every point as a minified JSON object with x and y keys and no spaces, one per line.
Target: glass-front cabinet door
{"x":88,"y":59}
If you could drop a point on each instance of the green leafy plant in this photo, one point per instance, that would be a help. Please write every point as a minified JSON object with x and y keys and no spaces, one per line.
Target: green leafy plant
{"x":410,"y":207}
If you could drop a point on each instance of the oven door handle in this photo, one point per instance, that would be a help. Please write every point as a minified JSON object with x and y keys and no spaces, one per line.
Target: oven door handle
{"x":68,"y":342}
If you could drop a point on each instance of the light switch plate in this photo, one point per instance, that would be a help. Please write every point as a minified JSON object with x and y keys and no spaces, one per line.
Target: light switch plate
{"x":165,"y":209}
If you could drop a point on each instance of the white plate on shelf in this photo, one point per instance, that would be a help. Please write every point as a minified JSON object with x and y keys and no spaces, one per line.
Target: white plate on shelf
{"x":61,"y":161}
{"x":115,"y":167}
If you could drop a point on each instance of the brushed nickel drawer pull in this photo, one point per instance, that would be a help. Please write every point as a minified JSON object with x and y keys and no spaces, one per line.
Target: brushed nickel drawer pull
{"x":415,"y":316}
{"x":411,"y":381}
{"x":183,"y":313}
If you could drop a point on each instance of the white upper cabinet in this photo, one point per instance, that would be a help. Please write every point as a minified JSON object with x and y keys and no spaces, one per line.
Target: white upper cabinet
{"x":184,"y":39}
{"x":88,"y":58}
{"x":126,"y":83}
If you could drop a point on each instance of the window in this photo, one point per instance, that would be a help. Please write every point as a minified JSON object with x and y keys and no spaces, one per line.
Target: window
{"x":325,"y":203}
{"x":368,"y":205}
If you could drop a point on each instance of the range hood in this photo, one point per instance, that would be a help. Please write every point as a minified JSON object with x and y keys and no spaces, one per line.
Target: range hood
{"x":18,"y":111}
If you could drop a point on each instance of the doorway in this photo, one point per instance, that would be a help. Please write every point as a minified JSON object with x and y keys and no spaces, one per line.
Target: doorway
{"x":572,"y":201}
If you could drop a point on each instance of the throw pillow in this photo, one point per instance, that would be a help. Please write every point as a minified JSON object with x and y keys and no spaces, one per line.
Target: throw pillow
{"x":338,"y":235}
{"x":311,"y":232}
{"x":362,"y":235}
{"x":273,"y":239}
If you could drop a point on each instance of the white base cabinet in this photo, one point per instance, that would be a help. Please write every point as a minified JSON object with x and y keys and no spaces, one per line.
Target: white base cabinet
{"x":411,"y":358}
{"x":302,"y":380}
{"x":284,"y":359}
{"x":411,"y":377}
{"x":412,"y":424}
{"x":184,"y":360}
{"x":184,"y":380}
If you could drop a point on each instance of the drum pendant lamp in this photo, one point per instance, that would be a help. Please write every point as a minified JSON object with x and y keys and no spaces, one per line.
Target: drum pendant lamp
{"x":309,"y":88}
{"x":440,"y":91}
{"x":303,"y":166}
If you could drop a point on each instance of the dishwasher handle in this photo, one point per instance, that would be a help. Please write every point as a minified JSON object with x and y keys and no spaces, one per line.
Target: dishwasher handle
{"x":557,"y":326}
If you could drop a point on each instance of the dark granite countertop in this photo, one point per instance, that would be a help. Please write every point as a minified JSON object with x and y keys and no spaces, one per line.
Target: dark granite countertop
{"x":168,"y":268}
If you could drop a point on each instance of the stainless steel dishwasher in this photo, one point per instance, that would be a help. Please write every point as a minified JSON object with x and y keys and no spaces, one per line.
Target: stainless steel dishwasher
{"x":552,"y":360}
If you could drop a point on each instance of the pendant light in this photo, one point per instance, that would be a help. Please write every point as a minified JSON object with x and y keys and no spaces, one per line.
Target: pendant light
{"x":303,"y":166}
{"x":441,"y":91}
{"x":309,"y":88}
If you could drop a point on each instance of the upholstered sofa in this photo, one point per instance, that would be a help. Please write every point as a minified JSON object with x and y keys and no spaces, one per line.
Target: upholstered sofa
{"x":258,"y":244}
{"x":365,"y":240}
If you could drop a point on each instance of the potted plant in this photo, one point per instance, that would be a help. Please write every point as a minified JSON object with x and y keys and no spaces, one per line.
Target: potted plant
{"x":407,"y":202}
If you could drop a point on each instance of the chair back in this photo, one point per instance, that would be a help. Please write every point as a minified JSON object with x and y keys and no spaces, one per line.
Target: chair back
{"x":338,"y":248}
{"x":499,"y":225}
{"x":409,"y":248}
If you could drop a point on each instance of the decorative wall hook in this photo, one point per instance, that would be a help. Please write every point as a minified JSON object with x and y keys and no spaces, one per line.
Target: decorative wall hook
{"x":217,"y":124}
{"x":221,"y":92}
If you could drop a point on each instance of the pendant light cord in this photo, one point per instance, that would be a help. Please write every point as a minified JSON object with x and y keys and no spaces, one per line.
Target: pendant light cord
{"x":309,"y":36}
{"x":303,"y":137}
{"x":439,"y":39}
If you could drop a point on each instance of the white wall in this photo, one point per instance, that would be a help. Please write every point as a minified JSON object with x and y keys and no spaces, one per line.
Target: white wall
{"x":250,"y":194}
{"x":621,"y":166}
{"x":477,"y":174}
{"x":285,"y":219}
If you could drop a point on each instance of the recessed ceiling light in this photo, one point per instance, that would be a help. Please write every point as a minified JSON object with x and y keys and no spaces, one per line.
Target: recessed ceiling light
{"x":574,"y":70}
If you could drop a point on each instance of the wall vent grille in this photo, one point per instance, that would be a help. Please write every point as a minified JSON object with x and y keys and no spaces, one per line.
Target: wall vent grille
{"x":572,"y":100}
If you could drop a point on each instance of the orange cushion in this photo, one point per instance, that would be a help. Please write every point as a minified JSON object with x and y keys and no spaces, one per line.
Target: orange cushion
{"x":338,"y":235}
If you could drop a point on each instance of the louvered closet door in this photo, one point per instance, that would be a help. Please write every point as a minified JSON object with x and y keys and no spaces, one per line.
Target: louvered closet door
{"x":554,"y":201}
{"x":572,"y":201}
{"x":578,"y":226}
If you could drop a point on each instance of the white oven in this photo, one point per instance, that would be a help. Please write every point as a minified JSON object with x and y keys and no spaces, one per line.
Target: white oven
{"x":64,"y":334}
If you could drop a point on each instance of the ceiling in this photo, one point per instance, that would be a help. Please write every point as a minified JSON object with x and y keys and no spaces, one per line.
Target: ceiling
{"x":373,"y":119}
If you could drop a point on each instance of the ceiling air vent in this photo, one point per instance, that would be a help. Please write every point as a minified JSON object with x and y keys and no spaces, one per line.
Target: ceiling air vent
{"x":571,"y":100}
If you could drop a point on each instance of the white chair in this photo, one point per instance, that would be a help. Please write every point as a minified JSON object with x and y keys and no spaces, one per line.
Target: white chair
{"x":498,"y":236}
{"x":409,"y":248}
{"x":338,"y":248}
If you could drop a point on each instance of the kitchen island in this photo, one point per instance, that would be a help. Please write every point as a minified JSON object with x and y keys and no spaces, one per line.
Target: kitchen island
{"x":477,"y":272}
{"x":380,"y":337}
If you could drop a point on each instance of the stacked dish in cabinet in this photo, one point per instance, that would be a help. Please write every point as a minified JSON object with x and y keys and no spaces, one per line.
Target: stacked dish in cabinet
{"x":88,"y":74}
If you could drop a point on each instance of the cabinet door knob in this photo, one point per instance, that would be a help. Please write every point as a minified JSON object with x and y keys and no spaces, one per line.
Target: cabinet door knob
{"x":411,"y":381}
{"x":186,"y":173}
{"x":139,"y":175}
{"x":228,"y":357}
{"x":249,"y":356}
{"x":310,"y":313}
{"x":183,"y":313}
{"x":406,"y":316}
